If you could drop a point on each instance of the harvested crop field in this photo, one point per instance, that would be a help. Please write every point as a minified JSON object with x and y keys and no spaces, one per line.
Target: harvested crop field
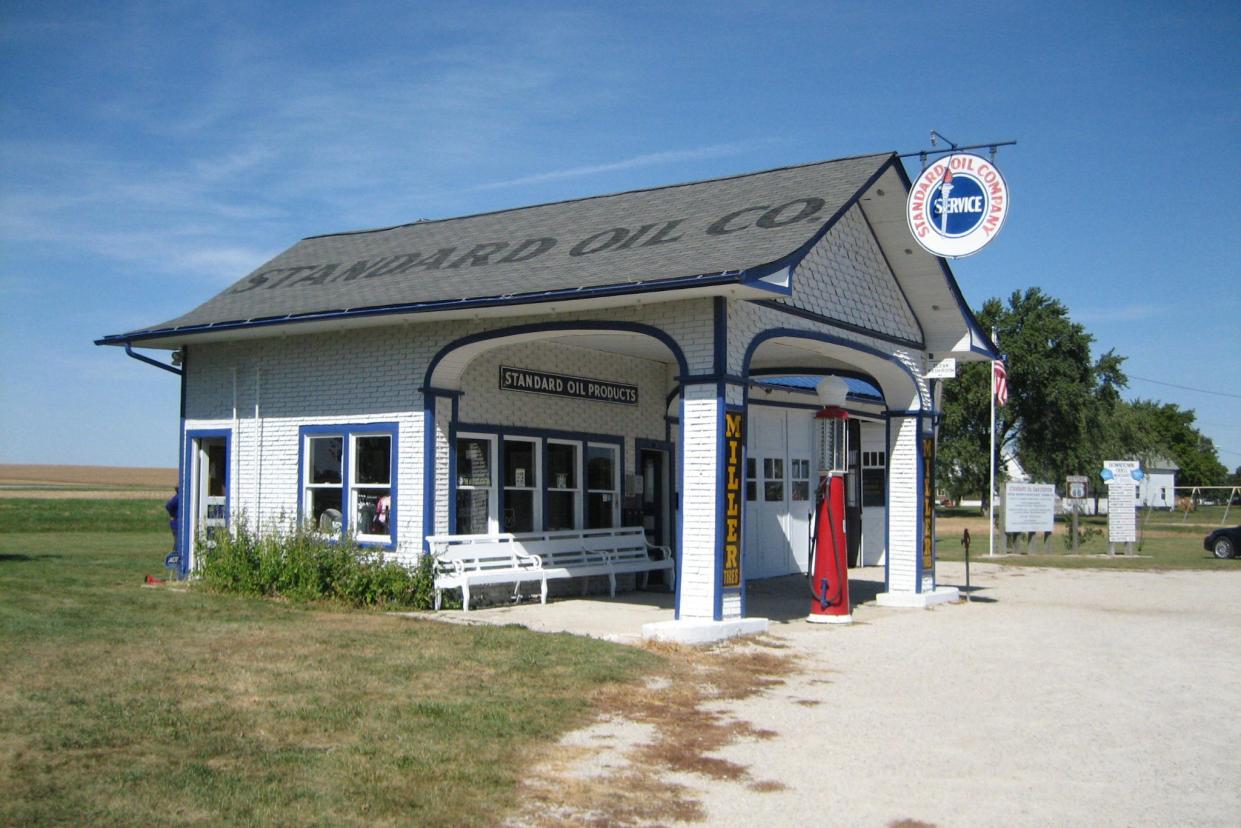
{"x":85,"y":482}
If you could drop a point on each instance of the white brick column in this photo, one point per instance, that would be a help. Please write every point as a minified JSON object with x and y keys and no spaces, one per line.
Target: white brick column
{"x":904,"y":529}
{"x":706,"y":611}
{"x":911,"y":552}
{"x":701,"y":434}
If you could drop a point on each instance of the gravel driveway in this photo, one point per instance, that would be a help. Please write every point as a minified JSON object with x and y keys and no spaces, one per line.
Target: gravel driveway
{"x":1056,"y":697}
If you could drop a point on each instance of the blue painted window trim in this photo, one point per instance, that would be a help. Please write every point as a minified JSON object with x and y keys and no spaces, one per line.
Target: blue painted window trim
{"x":188,"y":494}
{"x":543,"y":435}
{"x":348,"y":431}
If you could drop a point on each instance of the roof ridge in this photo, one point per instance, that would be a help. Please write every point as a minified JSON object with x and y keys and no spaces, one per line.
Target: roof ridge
{"x":602,"y":195}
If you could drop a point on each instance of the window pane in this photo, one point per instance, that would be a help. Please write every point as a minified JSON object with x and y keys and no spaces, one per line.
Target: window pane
{"x":599,"y":510}
{"x":561,"y":466}
{"x":801,"y":489}
{"x":472,"y":507}
{"x":773,"y":491}
{"x":773,"y":468}
{"x":601,"y":468}
{"x":325,"y":509}
{"x":373,"y":507}
{"x":518,"y":463}
{"x":473,"y":462}
{"x":873,"y":487}
{"x":325,"y":453}
{"x":518,"y":511}
{"x":373,"y":460}
{"x":751,"y":490}
{"x":560,"y":510}
{"x":751,"y":467}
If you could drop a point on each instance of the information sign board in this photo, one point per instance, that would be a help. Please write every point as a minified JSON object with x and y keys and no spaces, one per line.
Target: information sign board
{"x":944,"y":369}
{"x":1075,"y":485}
{"x":1029,"y":507}
{"x":1122,"y":517}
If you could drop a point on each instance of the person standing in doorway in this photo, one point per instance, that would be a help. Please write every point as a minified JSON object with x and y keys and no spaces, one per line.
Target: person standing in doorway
{"x":173,"y":507}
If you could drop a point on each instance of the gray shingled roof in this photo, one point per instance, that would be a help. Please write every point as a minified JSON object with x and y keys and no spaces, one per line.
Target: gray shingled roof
{"x":642,"y":236}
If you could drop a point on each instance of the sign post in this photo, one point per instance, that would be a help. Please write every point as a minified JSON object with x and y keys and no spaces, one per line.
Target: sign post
{"x":1029,"y":507}
{"x":1121,"y":477}
{"x":1075,"y":485}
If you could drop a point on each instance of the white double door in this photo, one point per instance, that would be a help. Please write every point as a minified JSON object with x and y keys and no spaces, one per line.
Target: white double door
{"x":779,"y":491}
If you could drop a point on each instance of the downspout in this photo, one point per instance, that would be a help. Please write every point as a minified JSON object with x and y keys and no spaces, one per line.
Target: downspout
{"x":129,"y":349}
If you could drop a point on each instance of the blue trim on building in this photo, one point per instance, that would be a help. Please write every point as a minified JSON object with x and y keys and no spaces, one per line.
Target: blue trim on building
{"x":507,"y":300}
{"x":500,"y":432}
{"x":792,"y":333}
{"x":543,"y":327}
{"x":790,"y":310}
{"x":428,"y":468}
{"x":347,"y":431}
{"x":719,"y":331}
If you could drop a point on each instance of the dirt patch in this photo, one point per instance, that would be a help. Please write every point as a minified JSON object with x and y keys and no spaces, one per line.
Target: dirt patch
{"x":36,"y":476}
{"x":86,"y":494}
{"x":670,"y":725}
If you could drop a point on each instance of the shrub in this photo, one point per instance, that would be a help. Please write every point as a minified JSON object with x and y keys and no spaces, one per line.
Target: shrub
{"x":304,"y":566}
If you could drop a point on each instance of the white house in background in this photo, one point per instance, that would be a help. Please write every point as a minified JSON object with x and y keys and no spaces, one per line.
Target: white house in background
{"x":1157,"y":489}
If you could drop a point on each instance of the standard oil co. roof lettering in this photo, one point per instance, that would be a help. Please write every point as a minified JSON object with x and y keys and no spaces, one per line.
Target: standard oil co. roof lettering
{"x":643,"y":237}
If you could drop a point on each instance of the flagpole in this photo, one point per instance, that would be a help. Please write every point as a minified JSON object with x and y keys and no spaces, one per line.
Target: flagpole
{"x":991,"y":462}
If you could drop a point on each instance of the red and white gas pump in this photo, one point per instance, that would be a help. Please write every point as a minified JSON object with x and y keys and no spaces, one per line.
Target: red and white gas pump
{"x":829,"y":554}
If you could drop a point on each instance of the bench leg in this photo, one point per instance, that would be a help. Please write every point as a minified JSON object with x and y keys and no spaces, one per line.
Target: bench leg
{"x":543,"y":591}
{"x":612,"y":583}
{"x":672,"y":579}
{"x":437,"y":600}
{"x":465,"y":597}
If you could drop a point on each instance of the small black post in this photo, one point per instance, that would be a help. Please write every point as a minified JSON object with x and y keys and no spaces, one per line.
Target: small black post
{"x":965,"y":541}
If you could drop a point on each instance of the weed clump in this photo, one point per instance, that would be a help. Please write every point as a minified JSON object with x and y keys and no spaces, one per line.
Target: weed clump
{"x":302,"y":565}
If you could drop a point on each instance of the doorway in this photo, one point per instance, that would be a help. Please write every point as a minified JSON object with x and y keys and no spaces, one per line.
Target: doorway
{"x":208,"y":501}
{"x":779,"y":492}
{"x":656,"y":498}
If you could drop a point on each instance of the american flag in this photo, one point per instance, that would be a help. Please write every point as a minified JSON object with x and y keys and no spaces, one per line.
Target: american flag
{"x":1000,"y":377}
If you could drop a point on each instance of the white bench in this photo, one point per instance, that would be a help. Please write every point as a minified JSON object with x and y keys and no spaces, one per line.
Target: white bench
{"x":463,"y":561}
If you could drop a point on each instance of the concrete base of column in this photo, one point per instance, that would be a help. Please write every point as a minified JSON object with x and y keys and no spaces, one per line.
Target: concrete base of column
{"x":697,"y":631}
{"x":918,"y":600}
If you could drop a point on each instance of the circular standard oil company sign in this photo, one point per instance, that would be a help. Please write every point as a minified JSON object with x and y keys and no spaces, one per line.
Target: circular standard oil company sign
{"x":957,"y":205}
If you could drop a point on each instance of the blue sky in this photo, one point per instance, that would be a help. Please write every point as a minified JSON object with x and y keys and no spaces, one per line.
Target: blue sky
{"x":153,"y":153}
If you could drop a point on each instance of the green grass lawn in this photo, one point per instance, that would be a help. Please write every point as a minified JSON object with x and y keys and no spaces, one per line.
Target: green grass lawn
{"x":127,"y":705}
{"x":1164,"y":545}
{"x":29,"y":514}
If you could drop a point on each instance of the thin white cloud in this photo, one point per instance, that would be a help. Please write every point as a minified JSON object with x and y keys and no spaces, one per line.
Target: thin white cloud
{"x":636,"y":162}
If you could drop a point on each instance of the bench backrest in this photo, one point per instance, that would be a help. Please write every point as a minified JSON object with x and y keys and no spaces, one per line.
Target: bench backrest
{"x":559,"y":548}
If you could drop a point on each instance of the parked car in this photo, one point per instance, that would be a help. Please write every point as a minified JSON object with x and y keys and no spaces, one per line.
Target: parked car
{"x":1223,"y":543}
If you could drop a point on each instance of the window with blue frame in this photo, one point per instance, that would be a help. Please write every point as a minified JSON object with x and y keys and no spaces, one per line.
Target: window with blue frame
{"x":530,"y":481}
{"x":349,"y":480}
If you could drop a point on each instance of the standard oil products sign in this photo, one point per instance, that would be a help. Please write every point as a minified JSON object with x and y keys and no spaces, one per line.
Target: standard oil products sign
{"x":562,"y":385}
{"x":958,"y":205}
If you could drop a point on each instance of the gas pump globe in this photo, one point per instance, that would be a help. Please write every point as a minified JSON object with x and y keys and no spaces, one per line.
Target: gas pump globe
{"x":829,"y":568}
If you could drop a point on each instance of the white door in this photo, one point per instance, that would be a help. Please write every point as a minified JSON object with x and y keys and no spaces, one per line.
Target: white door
{"x":778,"y":491}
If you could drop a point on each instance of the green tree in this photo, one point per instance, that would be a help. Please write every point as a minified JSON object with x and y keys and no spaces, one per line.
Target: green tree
{"x":1058,"y":397}
{"x":1150,"y":431}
